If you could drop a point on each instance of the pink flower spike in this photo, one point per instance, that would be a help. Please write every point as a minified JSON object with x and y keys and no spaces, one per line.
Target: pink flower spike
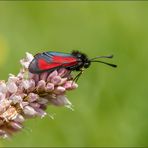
{"x":28,"y":95}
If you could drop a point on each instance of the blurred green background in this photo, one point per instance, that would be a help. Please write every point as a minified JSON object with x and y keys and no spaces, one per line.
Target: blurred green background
{"x":111,"y":105}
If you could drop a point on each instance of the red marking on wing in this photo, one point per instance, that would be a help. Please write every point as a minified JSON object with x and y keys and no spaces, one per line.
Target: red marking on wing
{"x":60,"y":59}
{"x":65,"y":61}
{"x":57,"y":61}
{"x":43,"y":65}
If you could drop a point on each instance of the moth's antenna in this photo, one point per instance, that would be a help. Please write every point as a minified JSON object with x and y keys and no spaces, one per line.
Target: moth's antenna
{"x":108,"y":56}
{"x":113,"y":65}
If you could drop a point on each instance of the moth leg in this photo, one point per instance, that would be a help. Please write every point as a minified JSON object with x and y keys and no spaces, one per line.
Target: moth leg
{"x":78,"y":75}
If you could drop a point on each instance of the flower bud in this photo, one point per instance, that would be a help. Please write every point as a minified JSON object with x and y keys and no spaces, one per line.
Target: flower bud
{"x":4,"y":104}
{"x":3,"y":87}
{"x":19,"y":118}
{"x":41,"y":86}
{"x":35,"y":105}
{"x":12,"y":87}
{"x":41,"y":112}
{"x":2,"y":132}
{"x":43,"y":76}
{"x":56,"y":80}
{"x":70,"y":85}
{"x":16,"y":98}
{"x":49,"y":87}
{"x":62,"y":72}
{"x":15,"y":125}
{"x":33,"y":97}
{"x":2,"y":96}
{"x":28,"y":110}
{"x":9,"y":114}
{"x":51,"y":75}
{"x":60,"y":101}
{"x":59,"y":90}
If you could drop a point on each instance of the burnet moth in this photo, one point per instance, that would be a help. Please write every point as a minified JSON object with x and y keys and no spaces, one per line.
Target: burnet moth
{"x":75,"y":61}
